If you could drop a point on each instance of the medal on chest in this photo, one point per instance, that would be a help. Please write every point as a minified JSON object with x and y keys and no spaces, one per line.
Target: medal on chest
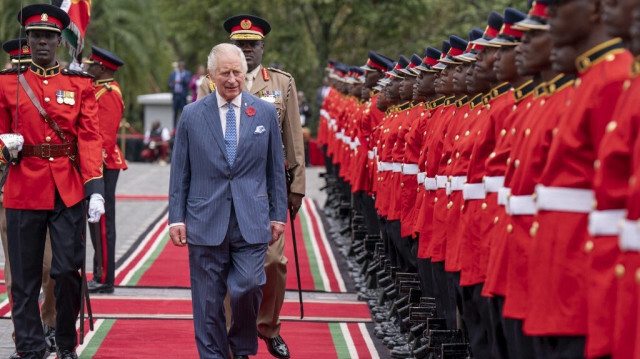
{"x":271,"y":96}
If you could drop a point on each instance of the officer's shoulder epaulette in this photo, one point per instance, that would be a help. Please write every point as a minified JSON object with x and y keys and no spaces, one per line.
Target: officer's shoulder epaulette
{"x":279,"y":71}
{"x":76,"y":73}
{"x":9,"y":71}
{"x":13,"y":70}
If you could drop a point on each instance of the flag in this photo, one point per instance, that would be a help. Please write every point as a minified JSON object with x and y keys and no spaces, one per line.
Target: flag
{"x":80,"y":12}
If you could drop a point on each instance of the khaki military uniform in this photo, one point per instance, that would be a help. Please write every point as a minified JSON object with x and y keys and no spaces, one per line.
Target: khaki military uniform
{"x":279,"y":88}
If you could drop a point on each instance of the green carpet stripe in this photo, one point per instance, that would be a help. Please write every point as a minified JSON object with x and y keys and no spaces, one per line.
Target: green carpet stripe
{"x":92,"y":348}
{"x":313,"y":260}
{"x":147,"y":264}
{"x":3,"y":296}
{"x":338,"y":341}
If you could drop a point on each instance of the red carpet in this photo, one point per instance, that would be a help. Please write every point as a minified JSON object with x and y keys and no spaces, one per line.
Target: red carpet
{"x":161,"y":264}
{"x":175,"y":339}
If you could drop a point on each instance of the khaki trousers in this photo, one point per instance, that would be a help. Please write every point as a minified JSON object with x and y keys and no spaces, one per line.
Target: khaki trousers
{"x":275,"y":266}
{"x":48,"y":308}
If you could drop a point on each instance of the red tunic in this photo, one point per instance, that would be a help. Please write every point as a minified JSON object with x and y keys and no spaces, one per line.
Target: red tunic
{"x":110,"y":109}
{"x":626,"y":311}
{"x":529,"y":151}
{"x":410,"y":189}
{"x":396,"y":141}
{"x":32,"y":184}
{"x":560,"y":306}
{"x":436,"y":199}
{"x":496,"y":165}
{"x":479,"y":213}
{"x":424,"y":204}
{"x":611,"y":184}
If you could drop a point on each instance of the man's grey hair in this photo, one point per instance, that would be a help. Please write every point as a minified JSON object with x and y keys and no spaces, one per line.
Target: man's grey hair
{"x":222,"y":50}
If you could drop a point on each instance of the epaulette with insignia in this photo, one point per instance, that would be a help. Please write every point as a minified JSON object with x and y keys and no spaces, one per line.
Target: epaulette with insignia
{"x":76,"y":73}
{"x":278,"y":71}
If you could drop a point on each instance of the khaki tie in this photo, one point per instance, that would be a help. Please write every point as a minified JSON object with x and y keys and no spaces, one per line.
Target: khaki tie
{"x":249,"y":81}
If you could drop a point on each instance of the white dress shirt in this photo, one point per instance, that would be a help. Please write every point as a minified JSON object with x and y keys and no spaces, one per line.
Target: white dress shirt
{"x":223,"y":109}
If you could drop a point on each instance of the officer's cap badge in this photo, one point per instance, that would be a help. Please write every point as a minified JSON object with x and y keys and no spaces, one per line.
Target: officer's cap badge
{"x":44,"y":17}
{"x":245,"y":24}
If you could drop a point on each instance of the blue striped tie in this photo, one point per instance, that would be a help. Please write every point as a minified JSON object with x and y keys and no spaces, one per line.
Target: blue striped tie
{"x":230,"y":136}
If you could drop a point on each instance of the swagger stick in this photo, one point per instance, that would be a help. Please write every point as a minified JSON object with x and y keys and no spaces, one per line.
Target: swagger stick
{"x":292,"y":217}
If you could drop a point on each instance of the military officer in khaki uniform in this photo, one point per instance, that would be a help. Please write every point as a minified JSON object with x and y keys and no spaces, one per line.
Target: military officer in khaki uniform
{"x":279,"y":88}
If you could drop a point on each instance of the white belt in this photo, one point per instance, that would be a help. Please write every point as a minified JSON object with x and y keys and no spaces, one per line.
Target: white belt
{"x":503,"y":193}
{"x":410,"y":169}
{"x":493,"y":184}
{"x":447,"y":188}
{"x":605,"y":223}
{"x":521,"y":205}
{"x":441,"y":181}
{"x":370,"y":155}
{"x":473,"y":191}
{"x":353,"y":145}
{"x":563,"y":199}
{"x":457,"y":182}
{"x":340,"y":136}
{"x":430,"y":184}
{"x":397,"y":167}
{"x":630,"y":235}
{"x":324,"y":113}
{"x":421,"y":177}
{"x":385,"y":166}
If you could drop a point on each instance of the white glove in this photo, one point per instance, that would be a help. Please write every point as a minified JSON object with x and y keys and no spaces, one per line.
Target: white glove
{"x":12,"y":146}
{"x":96,"y":208}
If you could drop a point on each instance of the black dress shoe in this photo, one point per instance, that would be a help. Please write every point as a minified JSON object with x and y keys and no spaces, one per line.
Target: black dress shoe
{"x":240,"y":357}
{"x":66,"y":354}
{"x":97,"y":287}
{"x":276,"y":346}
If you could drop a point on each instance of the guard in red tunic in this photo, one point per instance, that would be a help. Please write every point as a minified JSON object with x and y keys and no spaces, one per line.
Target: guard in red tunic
{"x":55,"y":126}
{"x":103,"y":65}
{"x":565,"y":196}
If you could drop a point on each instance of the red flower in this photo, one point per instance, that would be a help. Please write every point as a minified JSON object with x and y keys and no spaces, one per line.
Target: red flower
{"x":250,"y":111}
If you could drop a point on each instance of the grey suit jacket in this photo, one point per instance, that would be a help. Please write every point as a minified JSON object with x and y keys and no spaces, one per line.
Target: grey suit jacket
{"x":203,"y":185}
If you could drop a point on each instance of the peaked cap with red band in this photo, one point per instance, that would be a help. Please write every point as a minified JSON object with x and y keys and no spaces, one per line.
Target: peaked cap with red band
{"x":494,"y":24}
{"x":509,"y":35}
{"x":445,"y":49}
{"x":43,"y":17}
{"x":246,"y":27}
{"x":458,"y":45}
{"x":431,"y":57}
{"x":375,"y":62}
{"x":18,"y":50}
{"x":104,"y":58}
{"x":410,"y":70}
{"x":537,"y":18}
{"x":472,"y":50}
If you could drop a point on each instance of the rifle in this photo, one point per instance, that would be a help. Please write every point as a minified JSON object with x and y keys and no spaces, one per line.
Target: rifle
{"x":292,"y":217}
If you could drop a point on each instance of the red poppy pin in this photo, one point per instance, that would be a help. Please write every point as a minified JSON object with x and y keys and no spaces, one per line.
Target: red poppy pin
{"x":250,"y":111}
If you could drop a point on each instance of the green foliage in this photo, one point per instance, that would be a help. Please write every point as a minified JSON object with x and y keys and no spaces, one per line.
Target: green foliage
{"x":151,"y":34}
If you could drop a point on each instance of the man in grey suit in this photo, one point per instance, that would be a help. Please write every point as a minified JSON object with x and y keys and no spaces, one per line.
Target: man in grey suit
{"x":228,"y":201}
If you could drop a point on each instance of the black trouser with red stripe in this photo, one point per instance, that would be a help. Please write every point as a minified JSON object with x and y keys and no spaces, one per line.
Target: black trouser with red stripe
{"x":108,"y":228}
{"x":26,"y":236}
